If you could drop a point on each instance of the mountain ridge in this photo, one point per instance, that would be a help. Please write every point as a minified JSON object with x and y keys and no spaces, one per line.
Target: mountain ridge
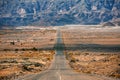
{"x":57,"y":12}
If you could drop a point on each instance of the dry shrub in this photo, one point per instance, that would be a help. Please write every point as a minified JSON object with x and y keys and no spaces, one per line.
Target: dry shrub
{"x":24,"y":62}
{"x":102,"y":64}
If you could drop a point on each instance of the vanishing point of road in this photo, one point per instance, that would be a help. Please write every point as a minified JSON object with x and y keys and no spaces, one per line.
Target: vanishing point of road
{"x":60,"y":70}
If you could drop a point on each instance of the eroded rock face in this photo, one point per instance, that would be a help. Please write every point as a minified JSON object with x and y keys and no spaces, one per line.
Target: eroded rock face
{"x":57,"y":12}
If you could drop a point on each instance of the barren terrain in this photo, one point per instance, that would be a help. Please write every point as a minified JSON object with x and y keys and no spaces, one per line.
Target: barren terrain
{"x":25,"y":51}
{"x":106,"y":64}
{"x":93,"y":50}
{"x":91,"y":35}
{"x":16,"y":63}
{"x":27,"y":39}
{"x":60,"y":70}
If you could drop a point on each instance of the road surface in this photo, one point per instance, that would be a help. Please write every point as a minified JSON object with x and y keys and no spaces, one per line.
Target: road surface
{"x":60,"y":70}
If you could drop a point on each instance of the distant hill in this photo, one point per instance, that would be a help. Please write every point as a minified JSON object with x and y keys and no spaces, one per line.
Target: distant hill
{"x":115,"y":22}
{"x":108,"y":24}
{"x":57,"y":12}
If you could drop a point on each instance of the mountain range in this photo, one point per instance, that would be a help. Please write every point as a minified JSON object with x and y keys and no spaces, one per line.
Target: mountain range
{"x":57,"y":12}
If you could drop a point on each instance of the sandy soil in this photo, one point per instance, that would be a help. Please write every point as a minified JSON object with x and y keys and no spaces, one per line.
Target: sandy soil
{"x":97,"y":49}
{"x":22,"y":39}
{"x":106,"y":64}
{"x":90,"y":35}
{"x":16,"y":60}
{"x":22,"y":51}
{"x":18,"y":63}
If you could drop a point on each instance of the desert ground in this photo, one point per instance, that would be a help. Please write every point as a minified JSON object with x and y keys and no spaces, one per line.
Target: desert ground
{"x":27,"y":38}
{"x":93,"y":50}
{"x":18,"y":63}
{"x":106,"y":64}
{"x":91,"y":35}
{"x":25,"y":51}
{"x":87,"y":49}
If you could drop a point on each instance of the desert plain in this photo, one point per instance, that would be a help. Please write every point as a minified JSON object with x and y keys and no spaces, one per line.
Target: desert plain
{"x":93,"y":50}
{"x":25,"y":51}
{"x":90,"y":50}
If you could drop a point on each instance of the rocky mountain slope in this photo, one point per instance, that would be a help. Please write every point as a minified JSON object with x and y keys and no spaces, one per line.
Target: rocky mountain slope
{"x":57,"y":12}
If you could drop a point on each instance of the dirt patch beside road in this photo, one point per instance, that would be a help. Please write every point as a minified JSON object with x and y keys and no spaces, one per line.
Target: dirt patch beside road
{"x":107,"y":64}
{"x":14,"y":64}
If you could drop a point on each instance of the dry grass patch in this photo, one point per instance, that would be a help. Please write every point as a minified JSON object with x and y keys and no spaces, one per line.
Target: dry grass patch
{"x":95,"y":63}
{"x":14,"y":64}
{"x":27,"y":39}
{"x":91,"y":35}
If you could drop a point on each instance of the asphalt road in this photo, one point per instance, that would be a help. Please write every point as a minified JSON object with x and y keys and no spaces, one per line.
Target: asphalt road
{"x":60,"y":70}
